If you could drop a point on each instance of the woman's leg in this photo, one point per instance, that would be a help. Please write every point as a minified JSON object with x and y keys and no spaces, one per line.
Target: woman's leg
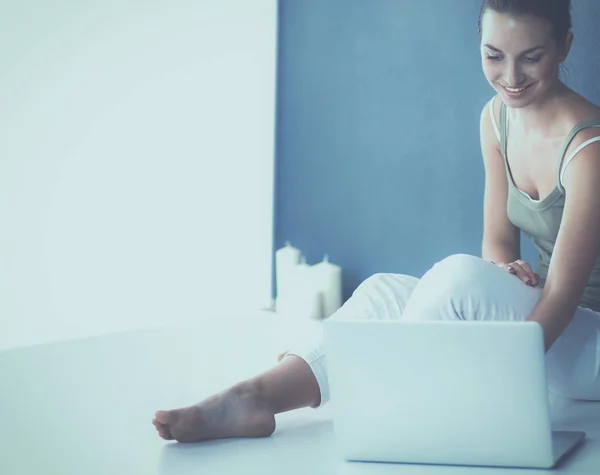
{"x":573,"y":362}
{"x":464,"y":287}
{"x":248,"y":409}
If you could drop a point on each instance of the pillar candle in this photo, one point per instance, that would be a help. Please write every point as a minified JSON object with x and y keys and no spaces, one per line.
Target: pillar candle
{"x":301,"y":298}
{"x":286,"y":259}
{"x":328,"y":279}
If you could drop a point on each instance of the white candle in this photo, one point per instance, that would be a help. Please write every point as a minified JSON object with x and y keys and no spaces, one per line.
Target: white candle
{"x":328,"y":280}
{"x":286,"y":259}
{"x":301,"y":299}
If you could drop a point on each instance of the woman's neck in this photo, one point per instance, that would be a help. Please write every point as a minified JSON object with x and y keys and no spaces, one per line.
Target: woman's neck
{"x":541,"y":116}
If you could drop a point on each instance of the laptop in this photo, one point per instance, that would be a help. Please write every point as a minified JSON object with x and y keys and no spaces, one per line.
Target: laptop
{"x":452,"y":393}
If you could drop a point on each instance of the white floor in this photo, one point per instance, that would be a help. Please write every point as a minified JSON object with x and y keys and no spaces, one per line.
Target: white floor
{"x":85,"y":407}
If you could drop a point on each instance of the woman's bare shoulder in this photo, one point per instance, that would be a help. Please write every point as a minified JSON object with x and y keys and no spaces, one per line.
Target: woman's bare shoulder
{"x":490,"y":123}
{"x":580,"y":109}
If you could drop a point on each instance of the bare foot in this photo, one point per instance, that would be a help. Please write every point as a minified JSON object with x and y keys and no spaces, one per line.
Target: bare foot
{"x":235,"y":412}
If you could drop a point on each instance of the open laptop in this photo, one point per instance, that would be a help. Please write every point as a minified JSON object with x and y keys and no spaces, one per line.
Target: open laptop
{"x":456,"y":393}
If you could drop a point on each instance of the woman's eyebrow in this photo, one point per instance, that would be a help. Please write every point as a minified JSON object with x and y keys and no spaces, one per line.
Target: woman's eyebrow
{"x":530,"y":50}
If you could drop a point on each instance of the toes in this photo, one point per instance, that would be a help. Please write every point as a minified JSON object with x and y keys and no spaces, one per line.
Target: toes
{"x":163,"y":423}
{"x":163,"y":417}
{"x":163,"y":430}
{"x":165,"y":433}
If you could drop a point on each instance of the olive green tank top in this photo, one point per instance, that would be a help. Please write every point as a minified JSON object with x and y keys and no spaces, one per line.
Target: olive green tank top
{"x":540,"y":219}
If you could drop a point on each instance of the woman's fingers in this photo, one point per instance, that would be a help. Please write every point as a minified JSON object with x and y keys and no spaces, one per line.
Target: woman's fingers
{"x":515,"y":268}
{"x":523,"y":271}
{"x":505,"y":266}
{"x":531,"y":278}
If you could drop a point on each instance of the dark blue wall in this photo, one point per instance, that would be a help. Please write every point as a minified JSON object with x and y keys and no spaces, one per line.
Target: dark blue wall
{"x":378,"y":160}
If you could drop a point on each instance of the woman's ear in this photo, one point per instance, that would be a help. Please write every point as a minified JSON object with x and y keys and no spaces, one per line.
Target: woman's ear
{"x":567,"y":46}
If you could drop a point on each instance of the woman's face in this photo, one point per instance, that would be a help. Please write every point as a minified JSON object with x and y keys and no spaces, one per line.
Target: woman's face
{"x":520,"y":57}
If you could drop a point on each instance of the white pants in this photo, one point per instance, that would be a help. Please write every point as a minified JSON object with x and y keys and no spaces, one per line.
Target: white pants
{"x":463,"y":287}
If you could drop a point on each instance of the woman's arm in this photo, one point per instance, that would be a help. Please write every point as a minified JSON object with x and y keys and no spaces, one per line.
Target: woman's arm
{"x":501,"y":239}
{"x":576,"y":247}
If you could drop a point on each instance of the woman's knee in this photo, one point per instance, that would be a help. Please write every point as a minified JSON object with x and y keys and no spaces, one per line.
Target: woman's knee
{"x":453,"y":270}
{"x":385,"y":282}
{"x":373,"y":288}
{"x":384,"y":289}
{"x":370,"y":282}
{"x":366,"y":297}
{"x":456,"y":272}
{"x":460,"y":263}
{"x":474,"y":289}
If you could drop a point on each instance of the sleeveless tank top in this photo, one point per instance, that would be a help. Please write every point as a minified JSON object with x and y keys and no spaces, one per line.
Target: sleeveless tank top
{"x":540,"y":219}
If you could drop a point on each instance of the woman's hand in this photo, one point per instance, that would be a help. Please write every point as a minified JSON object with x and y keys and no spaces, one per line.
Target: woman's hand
{"x":522,"y":270}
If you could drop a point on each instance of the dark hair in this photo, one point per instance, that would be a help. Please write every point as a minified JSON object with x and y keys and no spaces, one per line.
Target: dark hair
{"x":557,"y":12}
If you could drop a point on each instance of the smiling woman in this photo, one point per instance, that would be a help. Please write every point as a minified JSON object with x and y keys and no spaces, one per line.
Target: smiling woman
{"x":523,"y":43}
{"x":547,"y":188}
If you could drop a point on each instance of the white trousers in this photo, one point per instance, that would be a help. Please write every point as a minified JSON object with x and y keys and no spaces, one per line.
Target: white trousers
{"x":464,"y":287}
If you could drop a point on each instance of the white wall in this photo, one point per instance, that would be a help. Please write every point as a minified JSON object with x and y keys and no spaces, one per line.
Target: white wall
{"x":136,"y":163}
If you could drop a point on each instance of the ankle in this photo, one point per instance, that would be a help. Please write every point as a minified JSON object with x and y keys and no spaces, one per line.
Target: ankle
{"x":250,"y":389}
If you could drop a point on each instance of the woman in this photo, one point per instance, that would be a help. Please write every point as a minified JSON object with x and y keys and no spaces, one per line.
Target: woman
{"x":541,"y":150}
